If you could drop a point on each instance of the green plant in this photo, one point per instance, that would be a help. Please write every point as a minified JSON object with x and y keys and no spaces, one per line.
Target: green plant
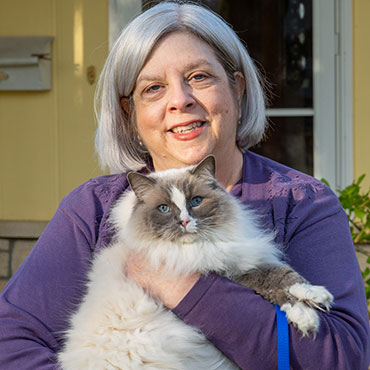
{"x":357,"y":207}
{"x":366,"y":277}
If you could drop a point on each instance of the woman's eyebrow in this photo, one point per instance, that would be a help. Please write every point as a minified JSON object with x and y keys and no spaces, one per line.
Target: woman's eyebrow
{"x":197,"y":64}
{"x":147,"y":77}
{"x":188,"y":67}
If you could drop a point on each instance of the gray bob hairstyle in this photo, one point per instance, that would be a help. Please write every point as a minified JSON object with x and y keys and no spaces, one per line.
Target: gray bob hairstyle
{"x":117,"y":143}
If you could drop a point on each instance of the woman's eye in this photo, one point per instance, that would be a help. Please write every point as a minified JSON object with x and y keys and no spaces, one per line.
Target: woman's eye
{"x":194,"y":202}
{"x":163,"y":208}
{"x":153,"y":88}
{"x":198,"y":77}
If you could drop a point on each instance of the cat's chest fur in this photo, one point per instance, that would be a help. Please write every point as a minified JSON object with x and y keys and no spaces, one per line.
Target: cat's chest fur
{"x":119,"y":326}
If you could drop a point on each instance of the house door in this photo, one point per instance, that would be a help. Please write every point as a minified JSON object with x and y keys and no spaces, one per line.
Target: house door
{"x":303,"y":48}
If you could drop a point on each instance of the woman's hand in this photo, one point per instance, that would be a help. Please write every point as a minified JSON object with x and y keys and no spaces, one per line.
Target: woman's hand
{"x":170,"y":291}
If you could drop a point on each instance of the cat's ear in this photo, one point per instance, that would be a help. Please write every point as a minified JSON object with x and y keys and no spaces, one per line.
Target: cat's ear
{"x":140,"y":184}
{"x":206,"y":166}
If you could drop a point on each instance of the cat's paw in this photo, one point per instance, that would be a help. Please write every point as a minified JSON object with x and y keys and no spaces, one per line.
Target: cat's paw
{"x":312,"y":295}
{"x":303,"y":317}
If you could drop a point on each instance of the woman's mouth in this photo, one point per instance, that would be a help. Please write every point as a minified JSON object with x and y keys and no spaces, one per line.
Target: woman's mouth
{"x":187,"y":131}
{"x":187,"y":128}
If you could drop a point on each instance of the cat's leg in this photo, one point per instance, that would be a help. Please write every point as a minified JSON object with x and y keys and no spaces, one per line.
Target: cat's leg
{"x":283,"y":286}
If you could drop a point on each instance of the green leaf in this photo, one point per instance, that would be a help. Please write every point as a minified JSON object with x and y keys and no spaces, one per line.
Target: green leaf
{"x":356,"y":204}
{"x":359,"y":213}
{"x":325,"y":182}
{"x":359,"y":180}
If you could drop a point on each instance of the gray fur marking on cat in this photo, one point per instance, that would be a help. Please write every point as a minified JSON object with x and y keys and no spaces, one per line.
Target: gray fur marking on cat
{"x":153,"y":192}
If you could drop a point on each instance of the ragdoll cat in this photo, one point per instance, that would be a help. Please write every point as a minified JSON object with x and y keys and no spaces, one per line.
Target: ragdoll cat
{"x":183,"y":221}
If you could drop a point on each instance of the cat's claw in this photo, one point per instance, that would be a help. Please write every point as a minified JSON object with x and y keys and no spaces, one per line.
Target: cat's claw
{"x":302,"y":314}
{"x":303,"y":317}
{"x":312,"y":295}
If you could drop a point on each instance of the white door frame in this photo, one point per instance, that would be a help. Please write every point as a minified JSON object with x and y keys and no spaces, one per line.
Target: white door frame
{"x":333,"y":91}
{"x":120,"y":13}
{"x":345,"y":171}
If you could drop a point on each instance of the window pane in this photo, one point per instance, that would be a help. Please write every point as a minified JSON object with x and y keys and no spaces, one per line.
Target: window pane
{"x":290,"y":141}
{"x":278,"y":35}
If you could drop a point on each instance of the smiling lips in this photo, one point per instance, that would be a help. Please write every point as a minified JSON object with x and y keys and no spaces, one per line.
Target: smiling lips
{"x":187,"y":131}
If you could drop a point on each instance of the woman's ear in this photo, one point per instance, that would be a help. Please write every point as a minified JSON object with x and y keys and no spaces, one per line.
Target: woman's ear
{"x":239,"y":85}
{"x":125,"y":104}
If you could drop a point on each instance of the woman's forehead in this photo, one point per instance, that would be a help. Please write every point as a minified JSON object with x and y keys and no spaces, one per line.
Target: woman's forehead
{"x":147,"y":75}
{"x":184,"y":47}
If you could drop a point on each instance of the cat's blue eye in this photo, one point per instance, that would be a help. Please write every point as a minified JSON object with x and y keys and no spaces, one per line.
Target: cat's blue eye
{"x":163,"y":208}
{"x":194,"y":202}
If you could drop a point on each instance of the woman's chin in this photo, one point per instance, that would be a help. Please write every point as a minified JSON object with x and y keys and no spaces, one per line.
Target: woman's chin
{"x":181,"y":159}
{"x":194,"y":156}
{"x":193,"y":160}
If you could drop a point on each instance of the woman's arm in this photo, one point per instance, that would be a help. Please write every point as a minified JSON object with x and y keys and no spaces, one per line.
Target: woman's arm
{"x":170,"y":291}
{"x":35,"y":304}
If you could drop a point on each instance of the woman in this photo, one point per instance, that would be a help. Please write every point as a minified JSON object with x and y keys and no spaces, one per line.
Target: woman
{"x":179,"y":85}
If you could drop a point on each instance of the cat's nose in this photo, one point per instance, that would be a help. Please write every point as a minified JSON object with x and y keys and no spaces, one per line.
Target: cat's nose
{"x":185,"y":222}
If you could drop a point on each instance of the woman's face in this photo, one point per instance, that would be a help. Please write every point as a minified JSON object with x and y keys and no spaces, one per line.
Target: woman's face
{"x":185,"y":106}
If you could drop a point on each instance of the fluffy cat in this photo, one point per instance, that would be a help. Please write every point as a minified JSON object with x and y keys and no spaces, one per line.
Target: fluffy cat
{"x":184,"y":222}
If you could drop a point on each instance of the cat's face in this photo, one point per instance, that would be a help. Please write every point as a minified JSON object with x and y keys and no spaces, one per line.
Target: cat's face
{"x":179,"y":205}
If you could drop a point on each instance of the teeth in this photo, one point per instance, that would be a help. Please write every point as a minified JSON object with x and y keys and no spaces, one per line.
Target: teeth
{"x":188,"y":128}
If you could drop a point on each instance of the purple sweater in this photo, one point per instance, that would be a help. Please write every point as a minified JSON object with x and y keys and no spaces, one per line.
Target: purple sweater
{"x":309,"y":222}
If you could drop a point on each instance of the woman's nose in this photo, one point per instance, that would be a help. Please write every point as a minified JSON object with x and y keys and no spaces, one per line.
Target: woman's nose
{"x":180,"y":98}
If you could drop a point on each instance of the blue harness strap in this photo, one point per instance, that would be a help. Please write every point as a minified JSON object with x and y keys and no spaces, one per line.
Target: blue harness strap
{"x":282,"y":339}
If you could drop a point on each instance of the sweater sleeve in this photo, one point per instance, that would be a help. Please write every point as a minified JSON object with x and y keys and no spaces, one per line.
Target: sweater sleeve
{"x":318,"y":244}
{"x":36,"y":302}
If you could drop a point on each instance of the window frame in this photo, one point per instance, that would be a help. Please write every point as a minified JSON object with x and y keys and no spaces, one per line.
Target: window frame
{"x":333,"y":91}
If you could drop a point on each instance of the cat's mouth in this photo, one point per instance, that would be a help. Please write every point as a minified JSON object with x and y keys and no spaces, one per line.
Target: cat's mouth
{"x":188,"y":238}
{"x":185,"y":128}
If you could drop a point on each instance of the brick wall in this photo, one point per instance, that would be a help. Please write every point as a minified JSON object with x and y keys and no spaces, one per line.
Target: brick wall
{"x":12,"y":254}
{"x":16,"y":241}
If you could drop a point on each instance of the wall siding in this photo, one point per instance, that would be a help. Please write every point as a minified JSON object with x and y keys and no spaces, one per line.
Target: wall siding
{"x":46,"y":138}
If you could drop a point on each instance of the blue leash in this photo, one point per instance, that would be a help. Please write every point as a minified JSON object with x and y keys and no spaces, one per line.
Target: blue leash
{"x":282,"y":339}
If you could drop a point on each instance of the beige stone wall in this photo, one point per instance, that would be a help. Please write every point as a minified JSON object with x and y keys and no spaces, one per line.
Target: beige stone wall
{"x":16,"y":242}
{"x":12,"y":254}
{"x":363,"y":253}
{"x":361,"y":81}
